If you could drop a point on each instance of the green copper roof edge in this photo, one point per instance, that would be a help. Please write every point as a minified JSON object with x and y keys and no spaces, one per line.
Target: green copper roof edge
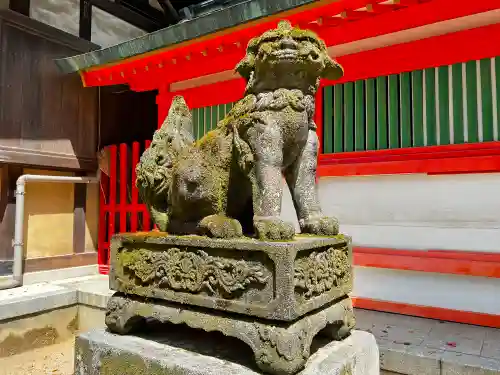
{"x":192,"y":29}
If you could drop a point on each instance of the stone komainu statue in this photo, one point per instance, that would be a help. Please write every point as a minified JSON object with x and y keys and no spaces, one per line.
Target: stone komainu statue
{"x":230,"y":181}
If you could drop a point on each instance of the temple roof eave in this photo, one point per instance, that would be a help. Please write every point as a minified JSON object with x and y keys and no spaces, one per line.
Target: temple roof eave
{"x":207,"y":24}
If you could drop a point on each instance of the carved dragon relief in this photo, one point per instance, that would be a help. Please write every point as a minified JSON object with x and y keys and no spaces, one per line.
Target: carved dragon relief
{"x":320,"y":272}
{"x":191,"y":271}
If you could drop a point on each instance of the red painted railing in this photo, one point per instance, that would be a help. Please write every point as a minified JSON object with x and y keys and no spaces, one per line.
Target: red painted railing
{"x":120,"y":208}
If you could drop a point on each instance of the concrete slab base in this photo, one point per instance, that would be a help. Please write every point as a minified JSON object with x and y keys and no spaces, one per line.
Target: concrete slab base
{"x":174,"y":350}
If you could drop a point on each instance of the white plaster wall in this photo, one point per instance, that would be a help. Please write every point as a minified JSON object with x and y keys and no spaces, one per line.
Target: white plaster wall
{"x":465,"y":293}
{"x":107,"y":30}
{"x":449,"y":212}
{"x":454,"y":212}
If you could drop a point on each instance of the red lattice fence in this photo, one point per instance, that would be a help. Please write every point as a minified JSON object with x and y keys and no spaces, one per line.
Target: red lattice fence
{"x":120,"y":208}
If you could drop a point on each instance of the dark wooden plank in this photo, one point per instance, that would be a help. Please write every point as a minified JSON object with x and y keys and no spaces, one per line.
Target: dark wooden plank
{"x":46,"y":118}
{"x":393,"y":112}
{"x":32,"y":158}
{"x":371,"y":114}
{"x":20,"y":6}
{"x":382,"y":115}
{"x":444,"y":105}
{"x":472,"y":113}
{"x":328,"y":120}
{"x":430,"y":106}
{"x":417,"y":104}
{"x":359,"y":116}
{"x":79,"y":217}
{"x":348,"y":116}
{"x":85,"y":26}
{"x":487,"y":100}
{"x":458,"y":104}
{"x":338,"y":118}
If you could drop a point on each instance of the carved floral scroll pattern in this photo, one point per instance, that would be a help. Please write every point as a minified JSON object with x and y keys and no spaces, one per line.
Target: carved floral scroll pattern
{"x":191,"y":271}
{"x":320,"y":272}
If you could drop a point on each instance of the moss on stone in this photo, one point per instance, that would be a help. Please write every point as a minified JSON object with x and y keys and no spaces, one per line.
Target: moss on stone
{"x":339,"y":236}
{"x":126,"y":364}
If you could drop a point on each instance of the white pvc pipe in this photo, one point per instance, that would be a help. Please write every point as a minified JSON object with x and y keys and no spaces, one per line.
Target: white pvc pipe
{"x":18,"y":242}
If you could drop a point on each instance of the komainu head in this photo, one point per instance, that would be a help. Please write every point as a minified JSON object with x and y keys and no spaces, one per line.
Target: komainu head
{"x":287,"y":57}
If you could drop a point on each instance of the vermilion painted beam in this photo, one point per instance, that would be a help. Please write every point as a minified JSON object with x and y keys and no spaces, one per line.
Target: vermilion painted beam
{"x":443,"y":50}
{"x":163,"y":101}
{"x":472,"y":44}
{"x":403,"y":19}
{"x":229,"y":38}
{"x":218,"y":93}
{"x":485,"y":164}
{"x":205,"y":58}
{"x":465,"y":158}
{"x":438,"y":261}
{"x":476,"y":149}
{"x":439,"y":313}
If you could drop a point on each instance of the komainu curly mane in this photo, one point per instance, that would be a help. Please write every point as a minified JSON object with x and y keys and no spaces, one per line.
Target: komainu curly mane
{"x":230,"y":181}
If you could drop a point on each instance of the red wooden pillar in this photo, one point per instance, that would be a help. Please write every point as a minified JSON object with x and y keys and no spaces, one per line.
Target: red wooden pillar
{"x":135,"y":206}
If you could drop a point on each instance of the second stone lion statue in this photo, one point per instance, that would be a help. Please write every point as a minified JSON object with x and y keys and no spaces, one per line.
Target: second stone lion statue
{"x":230,"y":181}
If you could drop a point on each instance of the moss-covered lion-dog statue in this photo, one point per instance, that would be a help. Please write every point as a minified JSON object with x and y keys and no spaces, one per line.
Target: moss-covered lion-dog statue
{"x":230,"y":181}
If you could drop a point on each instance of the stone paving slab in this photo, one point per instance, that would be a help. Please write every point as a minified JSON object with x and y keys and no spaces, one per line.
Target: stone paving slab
{"x":32,"y":299}
{"x":92,"y":291}
{"x":417,"y":346}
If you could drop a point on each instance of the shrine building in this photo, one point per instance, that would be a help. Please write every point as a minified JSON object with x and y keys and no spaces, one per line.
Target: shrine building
{"x":409,"y":155}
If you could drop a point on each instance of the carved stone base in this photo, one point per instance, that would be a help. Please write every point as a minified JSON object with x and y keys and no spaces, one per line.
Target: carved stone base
{"x":270,"y":280}
{"x":279,"y":348}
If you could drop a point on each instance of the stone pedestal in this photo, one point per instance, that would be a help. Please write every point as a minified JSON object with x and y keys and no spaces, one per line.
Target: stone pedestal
{"x":271,"y":280}
{"x":180,"y":352}
{"x":274,"y":296}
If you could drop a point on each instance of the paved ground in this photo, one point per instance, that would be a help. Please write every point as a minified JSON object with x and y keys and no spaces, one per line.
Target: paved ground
{"x":55,"y":359}
{"x":431,"y":344}
{"x":476,"y":345}
{"x":408,"y":345}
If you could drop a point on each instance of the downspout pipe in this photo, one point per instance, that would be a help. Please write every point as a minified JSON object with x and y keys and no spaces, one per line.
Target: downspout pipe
{"x":18,"y":242}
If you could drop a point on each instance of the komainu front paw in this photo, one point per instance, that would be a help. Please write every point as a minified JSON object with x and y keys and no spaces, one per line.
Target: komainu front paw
{"x":322,"y":226}
{"x":219,"y":226}
{"x":273,"y":228}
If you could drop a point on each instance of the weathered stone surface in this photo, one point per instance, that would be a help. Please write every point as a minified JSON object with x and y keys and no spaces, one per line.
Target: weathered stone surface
{"x":278,"y":349}
{"x":229,"y":182}
{"x":273,"y":280}
{"x":182,"y":352}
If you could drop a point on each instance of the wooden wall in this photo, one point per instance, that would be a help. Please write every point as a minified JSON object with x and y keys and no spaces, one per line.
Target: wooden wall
{"x":127,"y":116}
{"x":51,"y":124}
{"x":46,"y":119}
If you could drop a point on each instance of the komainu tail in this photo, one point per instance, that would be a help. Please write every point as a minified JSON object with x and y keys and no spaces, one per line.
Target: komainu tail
{"x":154,"y":171}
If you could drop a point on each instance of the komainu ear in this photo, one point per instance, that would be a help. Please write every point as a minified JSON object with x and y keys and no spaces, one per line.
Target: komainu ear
{"x":246,"y":66}
{"x":332,"y":70}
